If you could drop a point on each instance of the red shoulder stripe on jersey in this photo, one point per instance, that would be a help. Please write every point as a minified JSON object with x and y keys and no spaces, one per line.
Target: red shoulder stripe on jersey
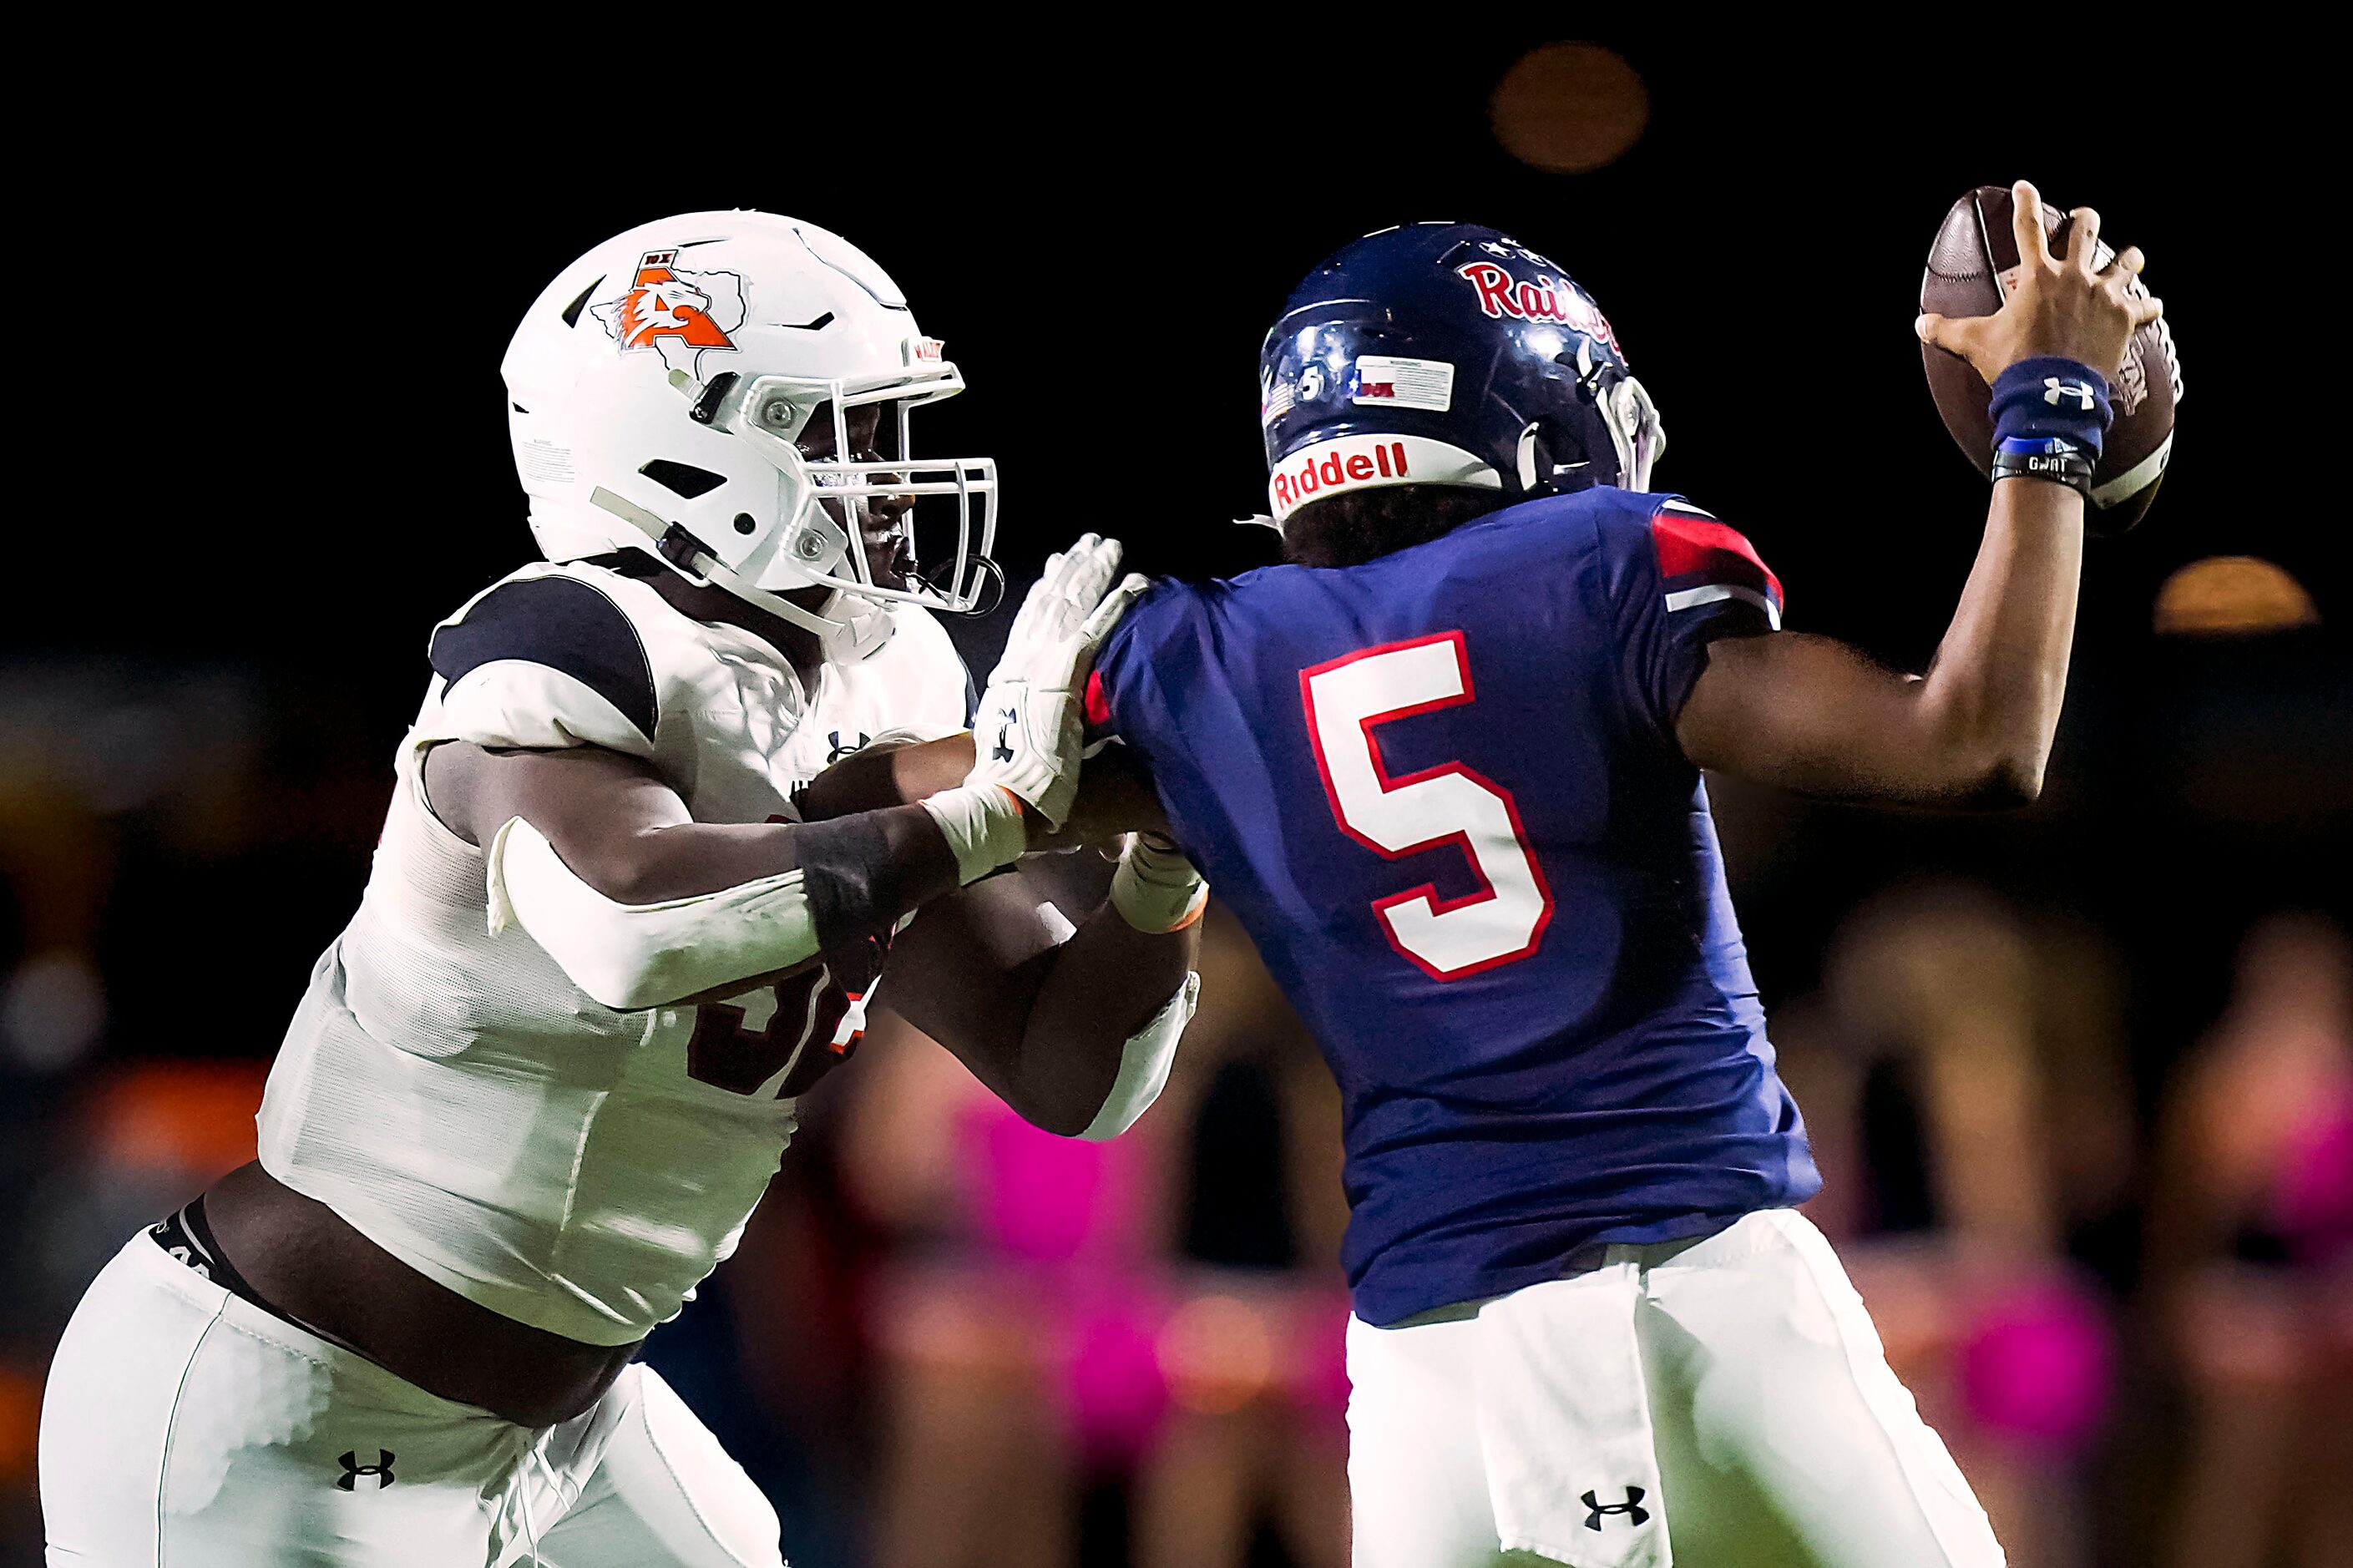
{"x":1687,"y":543}
{"x":1098,"y":703}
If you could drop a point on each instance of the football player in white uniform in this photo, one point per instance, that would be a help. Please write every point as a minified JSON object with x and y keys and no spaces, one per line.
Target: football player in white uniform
{"x":538,"y":1084}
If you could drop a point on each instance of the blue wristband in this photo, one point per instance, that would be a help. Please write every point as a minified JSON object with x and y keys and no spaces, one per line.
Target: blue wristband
{"x":2046,"y":396}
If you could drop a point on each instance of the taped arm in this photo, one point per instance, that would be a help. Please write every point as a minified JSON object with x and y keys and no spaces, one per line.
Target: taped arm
{"x":595,"y":856}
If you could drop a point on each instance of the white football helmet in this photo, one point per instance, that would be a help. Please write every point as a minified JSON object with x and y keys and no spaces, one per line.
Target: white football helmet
{"x":659,"y":390}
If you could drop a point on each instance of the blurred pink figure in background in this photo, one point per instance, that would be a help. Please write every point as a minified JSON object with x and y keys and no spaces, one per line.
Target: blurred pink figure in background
{"x":1001,"y":1291}
{"x":1255,"y":1437}
{"x":2251,"y":1245}
{"x":2006,"y":1041}
{"x":1040,"y":1326}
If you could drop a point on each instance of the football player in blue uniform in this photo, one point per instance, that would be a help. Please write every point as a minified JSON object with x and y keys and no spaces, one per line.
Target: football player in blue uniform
{"x":1445,"y":766}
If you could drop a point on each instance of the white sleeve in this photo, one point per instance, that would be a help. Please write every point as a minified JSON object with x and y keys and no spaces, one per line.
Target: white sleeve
{"x":633,"y":956}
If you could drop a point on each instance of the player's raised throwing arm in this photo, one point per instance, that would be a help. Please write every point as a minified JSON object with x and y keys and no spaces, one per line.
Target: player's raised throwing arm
{"x":1810,"y":714}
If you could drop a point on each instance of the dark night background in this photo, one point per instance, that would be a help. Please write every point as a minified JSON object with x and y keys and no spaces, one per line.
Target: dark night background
{"x":278,"y":444}
{"x":258,"y":316}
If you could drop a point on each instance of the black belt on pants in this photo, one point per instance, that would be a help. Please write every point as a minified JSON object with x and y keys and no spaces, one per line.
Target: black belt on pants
{"x":188,"y":1236}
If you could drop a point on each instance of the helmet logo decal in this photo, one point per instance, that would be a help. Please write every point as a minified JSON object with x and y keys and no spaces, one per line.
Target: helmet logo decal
{"x":1548,"y":299}
{"x":676,"y":314}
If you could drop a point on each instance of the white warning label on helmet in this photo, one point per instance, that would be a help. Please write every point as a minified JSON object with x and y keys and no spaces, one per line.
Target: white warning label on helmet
{"x":1404,"y":383}
{"x":543,"y":460}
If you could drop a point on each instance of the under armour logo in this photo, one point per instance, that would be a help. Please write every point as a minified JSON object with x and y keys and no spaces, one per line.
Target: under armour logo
{"x":1631,"y":1508}
{"x":1002,"y":752}
{"x":381,"y":1470}
{"x":840,"y":751}
{"x":2054,"y":390}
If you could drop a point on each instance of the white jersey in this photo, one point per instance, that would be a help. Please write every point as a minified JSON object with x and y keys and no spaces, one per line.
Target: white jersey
{"x":453,"y":1095}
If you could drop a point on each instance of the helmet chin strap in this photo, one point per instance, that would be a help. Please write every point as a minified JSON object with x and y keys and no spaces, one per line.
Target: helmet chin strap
{"x":688,"y":556}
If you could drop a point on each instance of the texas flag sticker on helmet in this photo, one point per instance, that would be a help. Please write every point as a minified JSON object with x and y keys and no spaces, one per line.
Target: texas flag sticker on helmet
{"x":676,"y":314}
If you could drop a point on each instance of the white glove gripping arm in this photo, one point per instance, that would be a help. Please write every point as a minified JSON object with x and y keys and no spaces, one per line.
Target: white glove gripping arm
{"x":633,"y":956}
{"x":1143,"y":1064}
{"x":1027,"y":732}
{"x":1156,"y":888}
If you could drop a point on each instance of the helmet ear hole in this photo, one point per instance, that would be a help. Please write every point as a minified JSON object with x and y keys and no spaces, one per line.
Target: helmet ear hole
{"x":681,"y":479}
{"x":745,"y":523}
{"x":1553,"y":461}
{"x":572,"y":311}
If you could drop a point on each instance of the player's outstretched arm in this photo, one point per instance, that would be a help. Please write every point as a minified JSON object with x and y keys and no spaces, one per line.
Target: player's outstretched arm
{"x":1810,"y":714}
{"x":596,"y":857}
{"x":1115,"y":795}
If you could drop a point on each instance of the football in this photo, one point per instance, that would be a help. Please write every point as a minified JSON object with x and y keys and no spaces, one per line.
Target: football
{"x":1970,"y":268}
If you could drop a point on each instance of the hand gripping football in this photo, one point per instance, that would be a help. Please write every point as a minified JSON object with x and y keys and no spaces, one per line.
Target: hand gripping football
{"x":1969,"y":269}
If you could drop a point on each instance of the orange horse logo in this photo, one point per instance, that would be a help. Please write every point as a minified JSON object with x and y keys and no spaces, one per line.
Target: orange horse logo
{"x":676,"y":314}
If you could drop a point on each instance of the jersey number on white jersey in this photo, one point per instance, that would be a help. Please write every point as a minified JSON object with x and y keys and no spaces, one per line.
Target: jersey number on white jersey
{"x":804,"y":1036}
{"x":1448,"y":803}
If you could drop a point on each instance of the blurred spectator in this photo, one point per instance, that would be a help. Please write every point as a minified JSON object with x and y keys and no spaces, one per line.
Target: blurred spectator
{"x":2251,"y":1246}
{"x":1964,"y":1087}
{"x":1254,"y":1441}
{"x":1158,"y":1315}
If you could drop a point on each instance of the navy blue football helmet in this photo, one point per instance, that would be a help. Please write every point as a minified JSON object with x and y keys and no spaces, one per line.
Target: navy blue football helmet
{"x":1448,"y":353}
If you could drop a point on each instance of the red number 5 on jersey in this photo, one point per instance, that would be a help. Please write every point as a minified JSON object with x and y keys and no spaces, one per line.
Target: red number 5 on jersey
{"x":1449,"y":804}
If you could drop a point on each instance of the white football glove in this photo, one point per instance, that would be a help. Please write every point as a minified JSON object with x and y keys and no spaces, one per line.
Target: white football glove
{"x":1027,"y":732}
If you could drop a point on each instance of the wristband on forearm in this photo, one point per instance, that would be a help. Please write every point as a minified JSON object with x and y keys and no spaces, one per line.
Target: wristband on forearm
{"x":2049,"y":417}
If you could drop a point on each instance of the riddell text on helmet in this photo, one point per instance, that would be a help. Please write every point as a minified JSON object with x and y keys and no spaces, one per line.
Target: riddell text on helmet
{"x":1337,"y":470}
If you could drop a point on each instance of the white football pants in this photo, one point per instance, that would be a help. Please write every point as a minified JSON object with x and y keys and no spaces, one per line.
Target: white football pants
{"x":183,"y":1427}
{"x":1717,"y":1403}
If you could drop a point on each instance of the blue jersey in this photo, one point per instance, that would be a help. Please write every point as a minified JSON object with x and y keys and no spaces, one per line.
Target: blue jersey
{"x":1441,"y":792}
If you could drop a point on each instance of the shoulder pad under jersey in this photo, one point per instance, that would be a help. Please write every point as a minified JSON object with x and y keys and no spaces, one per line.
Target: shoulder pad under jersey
{"x":549,"y":657}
